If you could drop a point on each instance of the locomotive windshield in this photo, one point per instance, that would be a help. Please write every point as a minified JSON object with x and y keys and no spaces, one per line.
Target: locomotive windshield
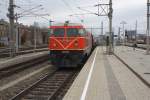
{"x":72,"y":32}
{"x":58,"y":32}
{"x":75,"y":32}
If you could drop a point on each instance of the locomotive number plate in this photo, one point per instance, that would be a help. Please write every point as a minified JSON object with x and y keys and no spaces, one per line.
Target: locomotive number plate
{"x":65,"y":51}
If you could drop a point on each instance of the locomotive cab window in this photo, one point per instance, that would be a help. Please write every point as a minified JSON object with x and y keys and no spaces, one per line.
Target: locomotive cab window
{"x":72,"y":32}
{"x":75,"y":32}
{"x":58,"y":32}
{"x":82,"y":32}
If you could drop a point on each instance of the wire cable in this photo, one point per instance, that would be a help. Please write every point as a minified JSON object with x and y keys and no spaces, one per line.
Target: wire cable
{"x":70,"y":8}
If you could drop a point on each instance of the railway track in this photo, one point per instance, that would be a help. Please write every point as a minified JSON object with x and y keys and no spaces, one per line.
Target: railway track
{"x":14,"y":69}
{"x":50,"y":87}
{"x":5,"y":52}
{"x":50,"y":83}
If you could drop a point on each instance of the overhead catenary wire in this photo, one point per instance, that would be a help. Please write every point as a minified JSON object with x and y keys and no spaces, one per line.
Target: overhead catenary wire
{"x":70,"y":8}
{"x":37,"y":11}
{"x":35,"y":15}
{"x":31,"y":9}
{"x":28,"y":4}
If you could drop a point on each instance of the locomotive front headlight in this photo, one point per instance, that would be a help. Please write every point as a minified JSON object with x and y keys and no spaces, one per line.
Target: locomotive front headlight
{"x":76,"y":43}
{"x":55,"y":45}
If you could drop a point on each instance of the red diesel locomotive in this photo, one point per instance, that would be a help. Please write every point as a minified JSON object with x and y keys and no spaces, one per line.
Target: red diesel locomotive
{"x":69,"y":44}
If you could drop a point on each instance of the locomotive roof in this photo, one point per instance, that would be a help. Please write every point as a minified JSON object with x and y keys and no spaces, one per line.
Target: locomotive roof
{"x":69,"y":24}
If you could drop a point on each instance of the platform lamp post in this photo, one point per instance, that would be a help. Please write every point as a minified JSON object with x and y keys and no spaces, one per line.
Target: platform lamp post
{"x":123,"y":30}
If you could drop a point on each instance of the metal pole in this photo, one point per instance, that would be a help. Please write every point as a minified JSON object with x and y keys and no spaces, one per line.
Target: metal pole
{"x":91,"y":29}
{"x":119,"y":35}
{"x":123,"y":31}
{"x":17,"y":35}
{"x":148,"y":14}
{"x":102,"y":28}
{"x":123,"y":34}
{"x":136,"y":32}
{"x":110,"y":27}
{"x":35,"y":36}
{"x":11,"y":28}
{"x":50,"y":23}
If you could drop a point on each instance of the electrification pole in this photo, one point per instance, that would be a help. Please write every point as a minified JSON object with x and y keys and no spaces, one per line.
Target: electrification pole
{"x":17,"y":33}
{"x":148,"y":27}
{"x":110,"y":28}
{"x":11,"y":28}
{"x":35,"y":36}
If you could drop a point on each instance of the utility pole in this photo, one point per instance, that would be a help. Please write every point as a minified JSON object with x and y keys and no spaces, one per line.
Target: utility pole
{"x":11,"y":28}
{"x":148,"y":27}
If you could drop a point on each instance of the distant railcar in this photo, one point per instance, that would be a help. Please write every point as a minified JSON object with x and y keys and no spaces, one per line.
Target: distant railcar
{"x":69,"y":44}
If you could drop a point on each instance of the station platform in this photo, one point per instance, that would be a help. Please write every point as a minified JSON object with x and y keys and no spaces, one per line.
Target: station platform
{"x":21,"y":58}
{"x":105,"y":77}
{"x":136,"y":59}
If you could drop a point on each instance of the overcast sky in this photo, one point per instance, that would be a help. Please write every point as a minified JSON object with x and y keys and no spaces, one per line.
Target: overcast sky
{"x":124,"y":10}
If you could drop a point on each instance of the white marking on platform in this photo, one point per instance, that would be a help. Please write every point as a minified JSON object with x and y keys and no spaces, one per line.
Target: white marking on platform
{"x":88,"y":78}
{"x":21,"y":79}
